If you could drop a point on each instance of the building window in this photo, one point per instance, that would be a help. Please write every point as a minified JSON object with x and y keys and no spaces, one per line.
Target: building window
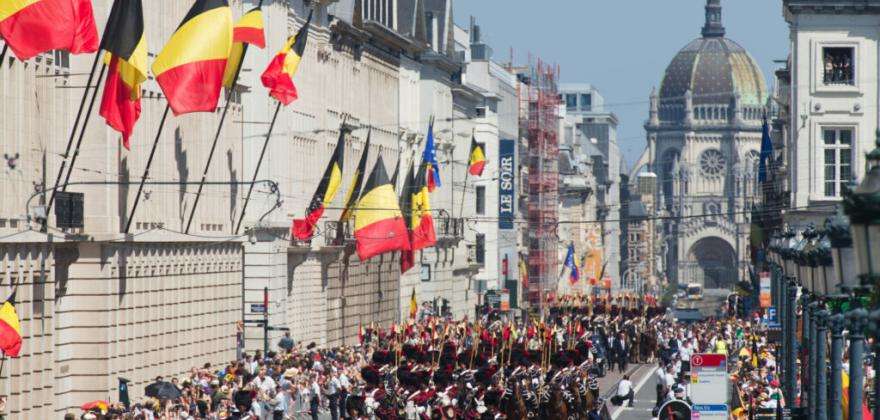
{"x":712,"y":163}
{"x":837,"y":160}
{"x":839,"y":66}
{"x":481,"y":248}
{"x":481,"y":111}
{"x":586,"y":102}
{"x":571,"y":101}
{"x":481,"y":200}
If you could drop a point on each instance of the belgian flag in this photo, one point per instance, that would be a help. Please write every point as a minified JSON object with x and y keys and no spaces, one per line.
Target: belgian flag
{"x":126,"y":47}
{"x":31,"y":27}
{"x":407,"y":257}
{"x":10,"y":328}
{"x":354,"y":191}
{"x":304,"y":229}
{"x":421,"y":222}
{"x":191,"y":66}
{"x":379,"y":225}
{"x":278,"y":77}
{"x":477,"y":161}
{"x":413,"y":305}
{"x":248,"y":30}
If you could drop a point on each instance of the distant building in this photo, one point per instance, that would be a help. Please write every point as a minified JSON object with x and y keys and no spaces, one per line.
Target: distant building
{"x":594,"y":130}
{"x":704,"y":140}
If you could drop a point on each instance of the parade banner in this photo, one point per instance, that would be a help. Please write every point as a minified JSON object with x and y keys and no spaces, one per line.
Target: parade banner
{"x":506,"y":183}
{"x":765,"y":297}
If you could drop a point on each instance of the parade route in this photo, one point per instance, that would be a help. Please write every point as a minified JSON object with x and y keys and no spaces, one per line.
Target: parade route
{"x":644,"y":391}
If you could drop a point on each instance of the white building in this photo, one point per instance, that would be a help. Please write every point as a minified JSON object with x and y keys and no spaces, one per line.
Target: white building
{"x":834,"y":100}
{"x":704,"y":140}
{"x":96,"y":304}
{"x":594,"y":130}
{"x":494,"y":229}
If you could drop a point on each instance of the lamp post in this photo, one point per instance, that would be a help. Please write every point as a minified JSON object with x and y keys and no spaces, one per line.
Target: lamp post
{"x":808,"y":381}
{"x":862,"y":205}
{"x":791,"y":344}
{"x":836,"y":322}
{"x":821,"y":367}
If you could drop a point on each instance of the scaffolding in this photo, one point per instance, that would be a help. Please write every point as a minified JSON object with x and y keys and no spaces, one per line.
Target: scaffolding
{"x":539,"y":107}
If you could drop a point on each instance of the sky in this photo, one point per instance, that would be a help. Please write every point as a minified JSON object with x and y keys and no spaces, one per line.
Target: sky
{"x":621,"y":47}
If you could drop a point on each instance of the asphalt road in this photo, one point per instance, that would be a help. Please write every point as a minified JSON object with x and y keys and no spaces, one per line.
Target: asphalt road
{"x":645,"y":392}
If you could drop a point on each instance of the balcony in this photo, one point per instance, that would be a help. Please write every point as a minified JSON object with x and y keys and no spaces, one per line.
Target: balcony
{"x":338,"y":233}
{"x":450,"y":231}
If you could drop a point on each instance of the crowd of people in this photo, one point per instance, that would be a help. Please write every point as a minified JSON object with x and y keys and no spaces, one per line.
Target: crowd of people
{"x":490,"y":368}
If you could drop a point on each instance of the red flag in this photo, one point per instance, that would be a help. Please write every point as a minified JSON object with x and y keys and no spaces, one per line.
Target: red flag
{"x":33,"y":27}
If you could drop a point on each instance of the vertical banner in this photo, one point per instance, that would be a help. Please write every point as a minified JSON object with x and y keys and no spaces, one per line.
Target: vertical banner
{"x":506,"y":186}
{"x":764,"y":297}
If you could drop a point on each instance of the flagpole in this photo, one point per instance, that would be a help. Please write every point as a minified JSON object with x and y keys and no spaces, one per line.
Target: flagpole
{"x":467,"y":173}
{"x":229,"y":93}
{"x":2,"y":57}
{"x":257,"y":169}
{"x":137,"y":197}
{"x":82,"y":104}
{"x":82,"y":131}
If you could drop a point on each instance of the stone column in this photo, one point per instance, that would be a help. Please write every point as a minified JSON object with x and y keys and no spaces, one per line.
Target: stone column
{"x":791,"y":347}
{"x":813,"y":309}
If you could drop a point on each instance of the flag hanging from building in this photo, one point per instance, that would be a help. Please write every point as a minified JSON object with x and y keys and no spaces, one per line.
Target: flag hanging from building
{"x":354,"y":191}
{"x":429,"y":157}
{"x":413,"y":305}
{"x":248,"y":30}
{"x":766,"y":152}
{"x":378,"y":221}
{"x":571,"y":265}
{"x":126,"y":46}
{"x":477,"y":158}
{"x":421,"y":222}
{"x":32,"y":27}
{"x":10,"y":328}
{"x":407,"y":256}
{"x":278,"y":77}
{"x":191,"y":66}
{"x":304,"y":229}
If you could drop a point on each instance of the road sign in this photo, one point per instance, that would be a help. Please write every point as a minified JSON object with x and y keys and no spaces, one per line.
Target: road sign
{"x":709,"y":380}
{"x":709,"y":412}
{"x":674,"y":410}
{"x":258,"y":308}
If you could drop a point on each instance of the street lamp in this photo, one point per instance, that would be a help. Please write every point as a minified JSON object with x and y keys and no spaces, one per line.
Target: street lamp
{"x":800,"y":267}
{"x":863,"y":207}
{"x":789,"y":241}
{"x":809,"y":256}
{"x":842,"y":253}
{"x":824,"y":261}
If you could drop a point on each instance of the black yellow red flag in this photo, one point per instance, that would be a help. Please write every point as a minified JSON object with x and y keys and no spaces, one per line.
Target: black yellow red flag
{"x":421,"y":222}
{"x":248,"y":30}
{"x":126,"y":46}
{"x":278,"y":77}
{"x":354,"y":191}
{"x":407,"y":257}
{"x":10,"y":328}
{"x":477,"y":161}
{"x":304,"y":229}
{"x":191,"y":66}
{"x":31,"y":27}
{"x":378,"y":221}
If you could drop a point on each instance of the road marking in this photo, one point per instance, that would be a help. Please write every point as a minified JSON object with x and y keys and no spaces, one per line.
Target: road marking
{"x":619,"y":410}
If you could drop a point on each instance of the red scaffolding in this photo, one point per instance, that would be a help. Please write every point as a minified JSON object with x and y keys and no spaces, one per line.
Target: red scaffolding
{"x":539,"y":102}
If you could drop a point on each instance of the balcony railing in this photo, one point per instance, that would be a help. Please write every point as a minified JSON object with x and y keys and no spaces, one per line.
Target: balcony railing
{"x":337,"y":233}
{"x":449,"y":227}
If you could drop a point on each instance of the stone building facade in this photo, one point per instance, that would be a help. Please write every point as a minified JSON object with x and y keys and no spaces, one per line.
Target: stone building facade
{"x":97,"y":304}
{"x":829,"y":117}
{"x":704,"y":139}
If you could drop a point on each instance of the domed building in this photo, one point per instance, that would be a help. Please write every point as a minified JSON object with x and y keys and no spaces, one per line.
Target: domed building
{"x":704,"y":140}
